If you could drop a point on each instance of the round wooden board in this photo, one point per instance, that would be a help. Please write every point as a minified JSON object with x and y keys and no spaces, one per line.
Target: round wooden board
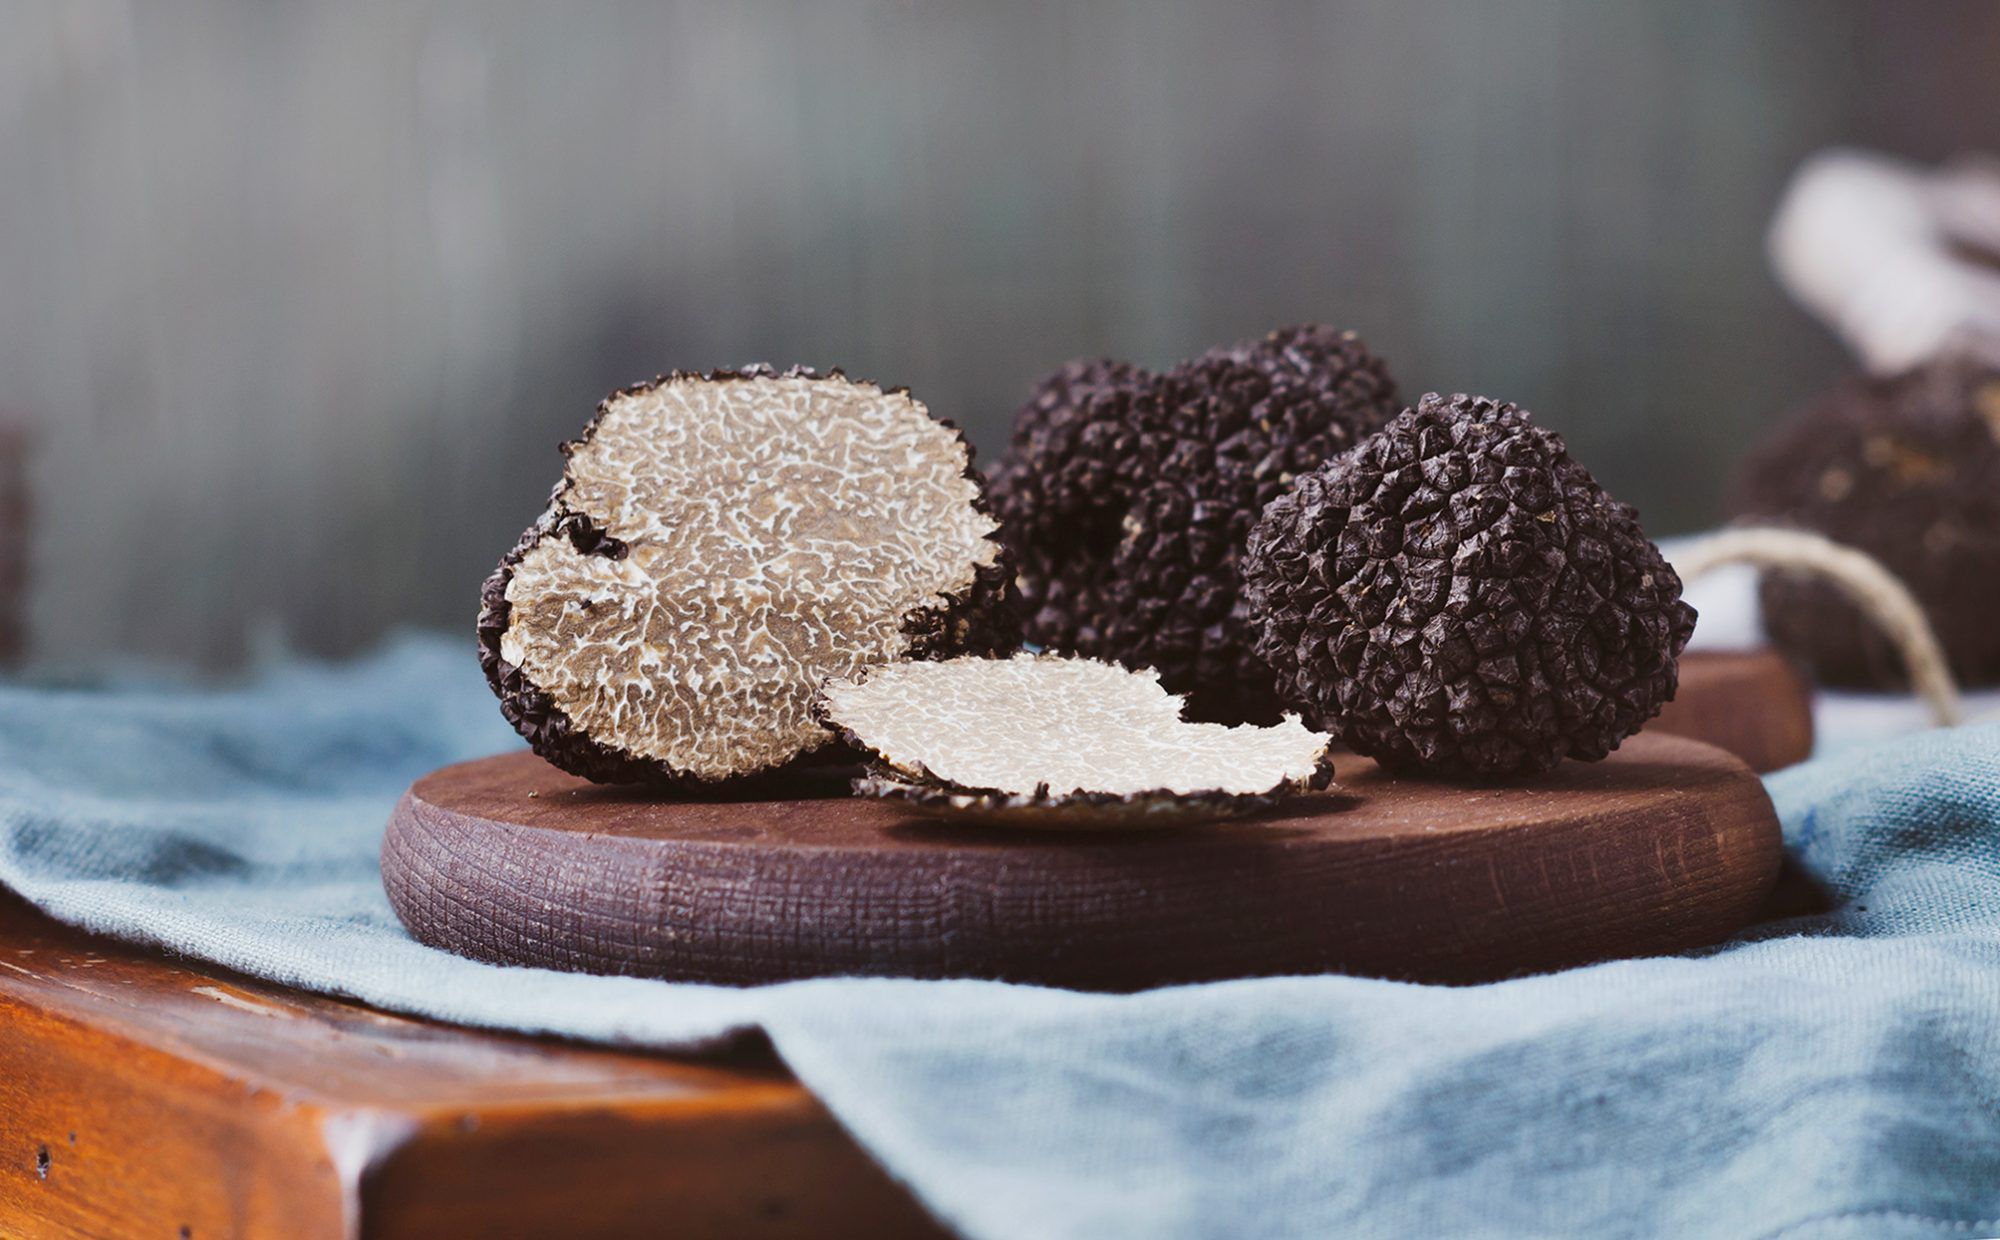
{"x":1667,"y":845}
{"x":1753,"y":703}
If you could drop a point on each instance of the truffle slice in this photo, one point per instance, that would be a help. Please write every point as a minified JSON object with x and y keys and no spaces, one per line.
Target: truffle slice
{"x":1126,"y":498}
{"x":1907,"y":470}
{"x":1042,"y":740}
{"x":1458,"y":596}
{"x":718,"y":546}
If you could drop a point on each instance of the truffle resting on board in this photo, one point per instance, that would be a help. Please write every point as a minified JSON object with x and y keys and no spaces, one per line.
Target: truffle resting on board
{"x":718,"y":546}
{"x":1126,"y":497}
{"x":1459,"y":597}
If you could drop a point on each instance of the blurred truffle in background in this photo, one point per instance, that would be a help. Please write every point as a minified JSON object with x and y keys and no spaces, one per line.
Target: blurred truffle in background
{"x":1908,"y":470}
{"x":1903,"y":461}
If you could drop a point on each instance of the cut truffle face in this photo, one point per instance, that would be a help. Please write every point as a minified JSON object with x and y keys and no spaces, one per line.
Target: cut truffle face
{"x":1907,"y":470}
{"x":1126,"y":498}
{"x":718,"y":546}
{"x":1054,"y":741}
{"x":1458,"y":596}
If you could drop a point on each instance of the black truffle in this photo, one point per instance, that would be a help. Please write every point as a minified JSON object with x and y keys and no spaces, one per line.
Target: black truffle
{"x":1055,"y":742}
{"x":1458,"y":596}
{"x":718,"y":546}
{"x":1907,"y":470}
{"x":1126,"y":497}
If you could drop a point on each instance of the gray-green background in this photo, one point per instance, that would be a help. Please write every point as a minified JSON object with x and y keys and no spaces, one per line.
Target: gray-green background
{"x":301,"y":296}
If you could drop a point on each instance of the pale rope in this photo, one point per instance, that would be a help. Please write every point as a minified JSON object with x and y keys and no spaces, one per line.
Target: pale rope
{"x":1885,"y":601}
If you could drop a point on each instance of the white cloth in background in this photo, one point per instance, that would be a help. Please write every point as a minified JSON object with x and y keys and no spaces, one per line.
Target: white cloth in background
{"x":1883,"y":252}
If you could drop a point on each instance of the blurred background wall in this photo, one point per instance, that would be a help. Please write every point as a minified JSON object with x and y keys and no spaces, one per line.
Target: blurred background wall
{"x":302,"y":296}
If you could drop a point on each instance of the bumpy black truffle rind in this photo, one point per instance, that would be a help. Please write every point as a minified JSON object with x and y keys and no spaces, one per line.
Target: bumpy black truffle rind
{"x":1907,"y":470}
{"x":982,"y":619}
{"x":1126,"y":498}
{"x":1457,"y":596}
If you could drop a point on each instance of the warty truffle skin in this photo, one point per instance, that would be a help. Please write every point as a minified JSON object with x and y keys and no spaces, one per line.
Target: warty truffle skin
{"x":1458,"y":597}
{"x":1907,"y":470}
{"x":1125,"y":498}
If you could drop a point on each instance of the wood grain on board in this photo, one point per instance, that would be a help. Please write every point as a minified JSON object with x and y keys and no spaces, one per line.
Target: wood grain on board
{"x":1666,"y":845}
{"x":143,"y":1096}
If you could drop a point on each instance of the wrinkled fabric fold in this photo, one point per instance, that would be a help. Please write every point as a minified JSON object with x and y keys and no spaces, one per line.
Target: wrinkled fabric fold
{"x":1827,"y":1076}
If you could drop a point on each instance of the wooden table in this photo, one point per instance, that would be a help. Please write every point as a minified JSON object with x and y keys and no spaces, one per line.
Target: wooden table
{"x":143,"y":1096}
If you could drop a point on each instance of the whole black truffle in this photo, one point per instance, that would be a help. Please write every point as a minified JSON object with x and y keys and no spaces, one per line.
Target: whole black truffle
{"x":1126,"y":497}
{"x":1458,"y":596}
{"x":718,"y":546}
{"x":1907,"y":470}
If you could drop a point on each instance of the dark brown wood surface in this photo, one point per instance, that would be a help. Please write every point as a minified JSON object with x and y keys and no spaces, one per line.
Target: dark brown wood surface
{"x":1753,"y":703}
{"x":1668,"y":844}
{"x":141,"y":1096}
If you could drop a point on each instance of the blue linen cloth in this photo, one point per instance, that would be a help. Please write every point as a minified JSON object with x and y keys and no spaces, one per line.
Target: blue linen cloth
{"x":1832,"y":1076}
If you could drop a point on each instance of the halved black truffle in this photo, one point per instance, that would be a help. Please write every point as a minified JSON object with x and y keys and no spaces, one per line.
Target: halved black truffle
{"x":1458,"y":596}
{"x":718,"y":546}
{"x":1126,"y":498}
{"x":1051,"y":741}
{"x":1907,"y":470}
